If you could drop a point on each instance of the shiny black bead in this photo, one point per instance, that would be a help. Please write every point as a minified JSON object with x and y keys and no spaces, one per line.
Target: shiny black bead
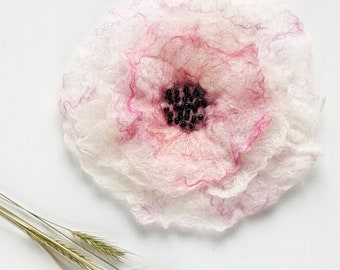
{"x":180,"y":116}
{"x":204,"y":103}
{"x":186,"y":117}
{"x":176,"y":107}
{"x":186,"y":90}
{"x":187,"y":112}
{"x":171,"y":101}
{"x":193,"y":119}
{"x":177,"y":120}
{"x":194,"y":109}
{"x":166,"y":109}
{"x":168,"y":92}
{"x":185,"y":99}
{"x":177,"y":99}
{"x":169,"y":121}
{"x":191,"y":98}
{"x":170,"y":114}
{"x":183,"y":124}
{"x":187,"y":106}
{"x":196,"y":92}
{"x":200,"y":117}
{"x":191,"y":126}
{"x":176,"y":92}
{"x":197,"y":102}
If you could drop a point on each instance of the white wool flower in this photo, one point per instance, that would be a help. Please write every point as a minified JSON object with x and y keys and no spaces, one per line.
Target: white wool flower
{"x":195,"y":113}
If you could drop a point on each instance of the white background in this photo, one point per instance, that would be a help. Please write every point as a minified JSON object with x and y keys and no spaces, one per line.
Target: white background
{"x":37,"y":41}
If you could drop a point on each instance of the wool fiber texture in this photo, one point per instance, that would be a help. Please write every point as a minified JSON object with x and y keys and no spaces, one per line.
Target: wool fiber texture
{"x":195,"y":113}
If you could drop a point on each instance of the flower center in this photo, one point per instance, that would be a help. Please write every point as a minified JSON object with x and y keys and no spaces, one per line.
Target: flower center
{"x":184,"y":106}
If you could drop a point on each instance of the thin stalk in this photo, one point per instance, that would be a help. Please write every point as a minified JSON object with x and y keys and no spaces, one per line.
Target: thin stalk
{"x":39,"y":236}
{"x":54,"y":257}
{"x":48,"y":224}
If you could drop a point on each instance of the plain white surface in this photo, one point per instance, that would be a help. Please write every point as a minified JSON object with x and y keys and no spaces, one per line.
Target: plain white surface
{"x":37,"y":41}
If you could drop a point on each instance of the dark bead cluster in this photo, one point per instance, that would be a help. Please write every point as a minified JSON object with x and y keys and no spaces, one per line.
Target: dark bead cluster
{"x":184,"y":106}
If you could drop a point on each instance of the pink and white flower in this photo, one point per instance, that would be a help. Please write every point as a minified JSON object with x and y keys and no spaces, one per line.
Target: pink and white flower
{"x":196,"y":113}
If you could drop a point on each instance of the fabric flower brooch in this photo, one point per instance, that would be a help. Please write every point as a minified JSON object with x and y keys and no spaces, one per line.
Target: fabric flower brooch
{"x":195,"y":113}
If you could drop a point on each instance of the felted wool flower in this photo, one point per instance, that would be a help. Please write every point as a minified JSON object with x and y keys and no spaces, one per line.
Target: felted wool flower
{"x":194,"y":113}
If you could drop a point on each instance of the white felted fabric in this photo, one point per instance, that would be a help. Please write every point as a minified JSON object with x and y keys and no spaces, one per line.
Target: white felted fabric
{"x":252,"y":58}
